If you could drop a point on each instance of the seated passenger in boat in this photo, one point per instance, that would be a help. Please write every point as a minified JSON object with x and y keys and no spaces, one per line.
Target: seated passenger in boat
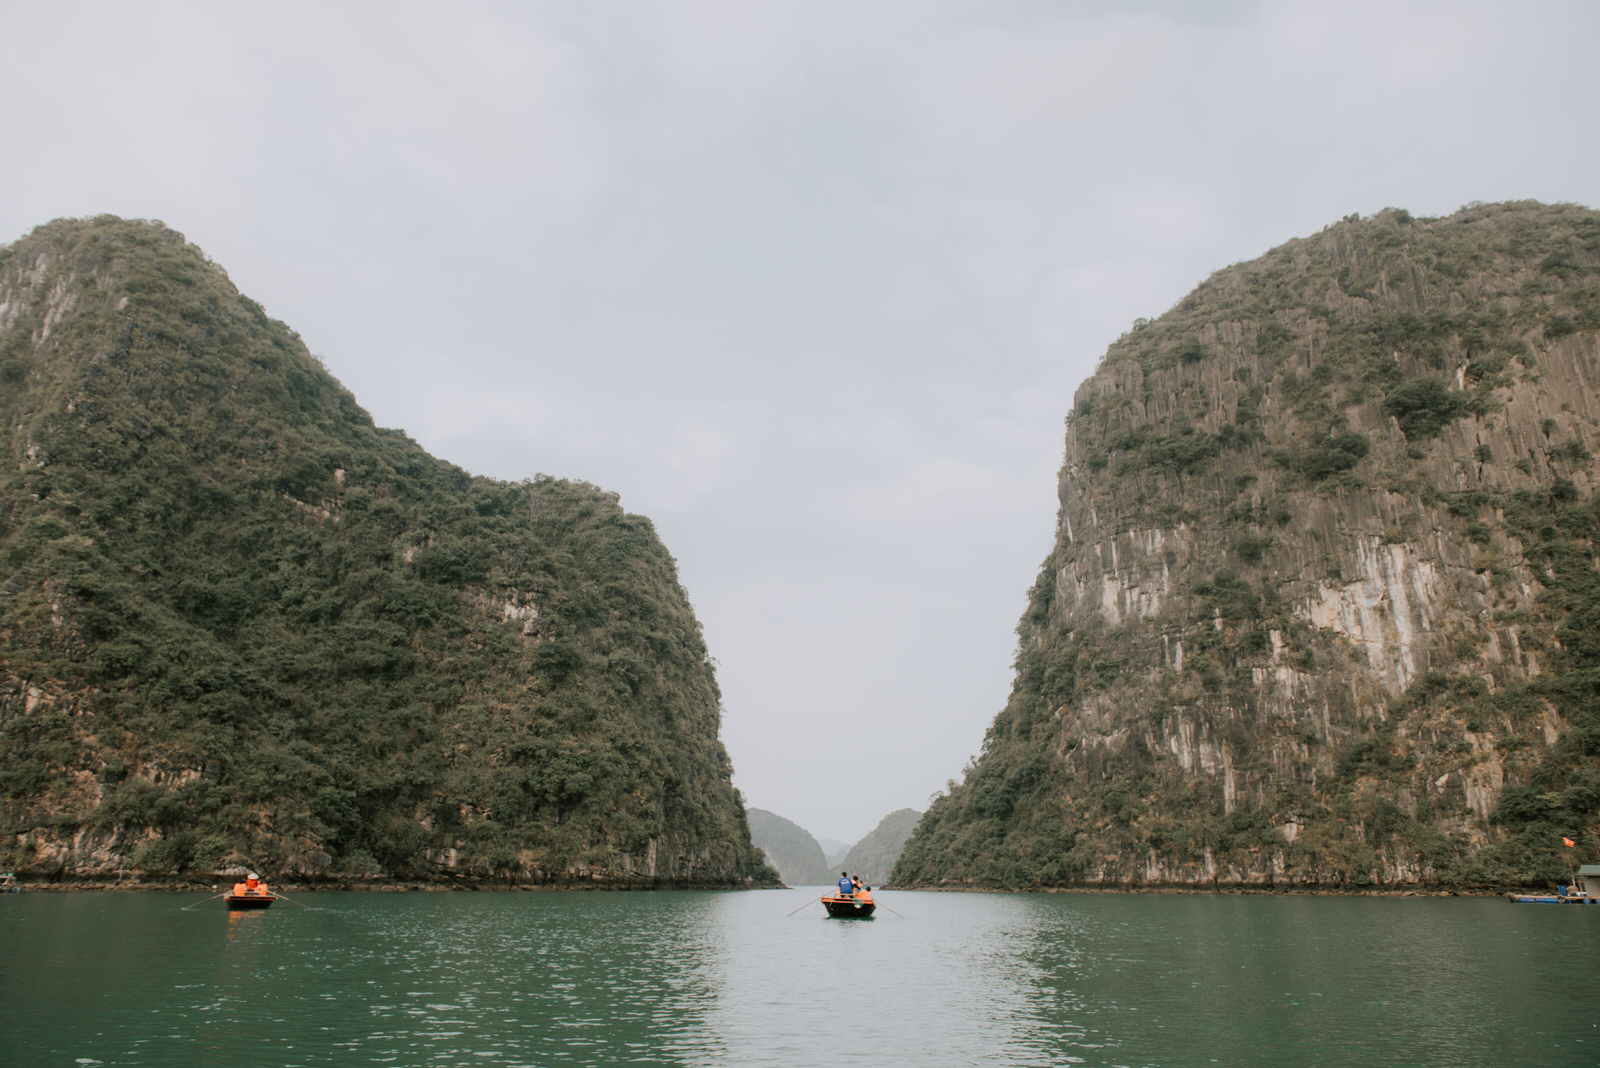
{"x":865,"y":895}
{"x":847,"y":886}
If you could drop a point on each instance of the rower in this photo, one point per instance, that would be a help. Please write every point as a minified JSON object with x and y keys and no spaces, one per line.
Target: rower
{"x":847,"y":888}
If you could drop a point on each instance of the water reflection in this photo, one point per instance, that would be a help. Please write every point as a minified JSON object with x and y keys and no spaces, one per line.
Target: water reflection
{"x":1221,"y":979}
{"x":521,"y":979}
{"x":948,"y":984}
{"x":223,"y":1017}
{"x":714,"y":979}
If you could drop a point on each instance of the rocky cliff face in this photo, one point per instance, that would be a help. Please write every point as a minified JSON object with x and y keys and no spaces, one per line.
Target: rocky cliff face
{"x":1320,"y":607}
{"x":239,"y":624}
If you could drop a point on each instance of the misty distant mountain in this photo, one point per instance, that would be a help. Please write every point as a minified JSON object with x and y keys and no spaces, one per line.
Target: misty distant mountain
{"x":790,"y":848}
{"x":873,"y":857}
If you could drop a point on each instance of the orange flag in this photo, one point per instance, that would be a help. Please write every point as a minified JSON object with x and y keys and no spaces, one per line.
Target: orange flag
{"x":1569,"y":843}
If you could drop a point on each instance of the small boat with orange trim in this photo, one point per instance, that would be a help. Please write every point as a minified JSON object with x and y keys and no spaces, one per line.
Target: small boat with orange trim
{"x":849,"y":906}
{"x":250,"y":894}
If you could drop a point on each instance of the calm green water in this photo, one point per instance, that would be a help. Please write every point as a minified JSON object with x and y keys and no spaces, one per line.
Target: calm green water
{"x":728,"y":979}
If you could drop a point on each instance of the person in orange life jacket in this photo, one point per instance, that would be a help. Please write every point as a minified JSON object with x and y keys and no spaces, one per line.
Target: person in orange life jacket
{"x":847,"y":886}
{"x":865,"y":896}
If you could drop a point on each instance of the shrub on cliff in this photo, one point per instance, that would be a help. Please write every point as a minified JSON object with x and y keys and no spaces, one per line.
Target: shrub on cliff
{"x":1423,"y":407}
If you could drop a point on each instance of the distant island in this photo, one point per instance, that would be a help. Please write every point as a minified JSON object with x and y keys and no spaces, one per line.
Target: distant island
{"x":799,"y":858}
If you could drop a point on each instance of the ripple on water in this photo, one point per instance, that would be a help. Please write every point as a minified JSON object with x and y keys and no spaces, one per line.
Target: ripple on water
{"x":713,"y":979}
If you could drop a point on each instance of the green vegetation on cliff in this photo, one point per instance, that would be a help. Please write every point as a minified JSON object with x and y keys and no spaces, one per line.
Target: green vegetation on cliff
{"x":242,"y":622}
{"x":1322,"y":607}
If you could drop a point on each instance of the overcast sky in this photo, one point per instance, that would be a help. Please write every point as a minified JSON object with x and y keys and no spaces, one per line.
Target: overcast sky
{"x":810,"y":284}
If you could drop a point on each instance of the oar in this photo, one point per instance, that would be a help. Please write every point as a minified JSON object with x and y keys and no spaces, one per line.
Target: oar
{"x":286,"y":897}
{"x":811,"y":902}
{"x":892,"y":910}
{"x":213,"y":897}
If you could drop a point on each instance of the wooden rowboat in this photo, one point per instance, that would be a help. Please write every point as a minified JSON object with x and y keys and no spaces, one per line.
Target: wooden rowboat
{"x":250,"y":894}
{"x":848,"y":908}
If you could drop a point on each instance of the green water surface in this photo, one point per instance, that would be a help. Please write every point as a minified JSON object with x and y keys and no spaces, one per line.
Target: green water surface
{"x":728,"y":979}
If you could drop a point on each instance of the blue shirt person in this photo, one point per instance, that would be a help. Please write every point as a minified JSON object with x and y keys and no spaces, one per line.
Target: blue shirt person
{"x":846,"y":887}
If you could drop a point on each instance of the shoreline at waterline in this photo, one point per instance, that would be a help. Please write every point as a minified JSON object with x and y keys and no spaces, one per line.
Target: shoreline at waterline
{"x":137,"y":884}
{"x":131,"y":885}
{"x":1431,"y":890}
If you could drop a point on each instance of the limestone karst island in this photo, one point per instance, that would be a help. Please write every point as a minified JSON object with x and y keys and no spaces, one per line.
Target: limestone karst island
{"x":242,"y":625}
{"x":1321,"y":608}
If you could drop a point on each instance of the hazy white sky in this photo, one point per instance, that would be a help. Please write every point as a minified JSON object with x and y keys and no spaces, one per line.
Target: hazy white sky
{"x":809,"y":283}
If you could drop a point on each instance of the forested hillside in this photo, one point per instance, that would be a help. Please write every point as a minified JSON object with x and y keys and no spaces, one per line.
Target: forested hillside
{"x":1322,"y":607}
{"x":242,"y":624}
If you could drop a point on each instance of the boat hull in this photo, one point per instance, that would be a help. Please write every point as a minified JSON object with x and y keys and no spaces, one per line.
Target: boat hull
{"x":848,"y":908}
{"x":249,"y":901}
